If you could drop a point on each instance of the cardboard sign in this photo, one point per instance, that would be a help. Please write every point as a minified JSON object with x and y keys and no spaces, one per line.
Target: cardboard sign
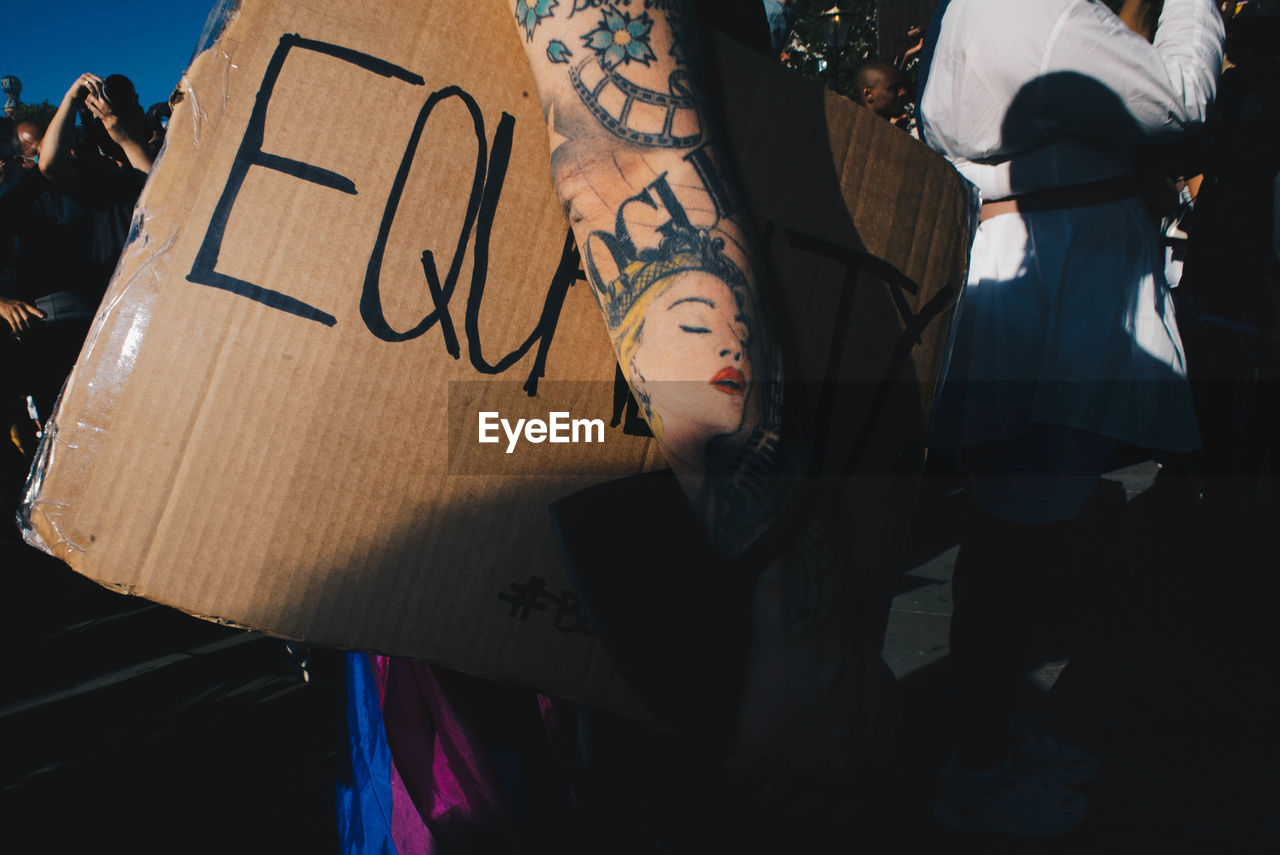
{"x":350,"y":251}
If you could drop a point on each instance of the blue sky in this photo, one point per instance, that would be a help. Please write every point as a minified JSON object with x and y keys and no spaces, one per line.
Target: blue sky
{"x":48,"y":45}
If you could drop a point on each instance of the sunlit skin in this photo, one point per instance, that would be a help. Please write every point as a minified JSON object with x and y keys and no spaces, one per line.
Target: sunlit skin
{"x":691,"y":360}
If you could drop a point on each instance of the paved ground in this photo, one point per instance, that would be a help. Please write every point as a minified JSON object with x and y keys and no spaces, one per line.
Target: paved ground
{"x":125,"y":726}
{"x":129,"y":727}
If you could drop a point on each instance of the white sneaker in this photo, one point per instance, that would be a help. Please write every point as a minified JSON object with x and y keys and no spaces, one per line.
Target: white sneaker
{"x":1046,"y":757}
{"x":1007,"y":800}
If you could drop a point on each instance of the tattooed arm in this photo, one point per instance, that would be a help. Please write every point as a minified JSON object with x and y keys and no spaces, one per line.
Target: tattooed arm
{"x":668,"y":253}
{"x":666,"y":247}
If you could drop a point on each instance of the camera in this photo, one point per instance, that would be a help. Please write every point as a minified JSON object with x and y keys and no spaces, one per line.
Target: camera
{"x":117,"y":91}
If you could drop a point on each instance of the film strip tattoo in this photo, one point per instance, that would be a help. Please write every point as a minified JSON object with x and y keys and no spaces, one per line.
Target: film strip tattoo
{"x":595,"y":82}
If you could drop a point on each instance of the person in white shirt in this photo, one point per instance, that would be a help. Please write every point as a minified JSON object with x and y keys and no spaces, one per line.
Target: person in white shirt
{"x":1066,"y":341}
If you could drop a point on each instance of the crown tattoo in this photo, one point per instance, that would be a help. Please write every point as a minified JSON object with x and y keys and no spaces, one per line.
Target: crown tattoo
{"x":681,"y":251}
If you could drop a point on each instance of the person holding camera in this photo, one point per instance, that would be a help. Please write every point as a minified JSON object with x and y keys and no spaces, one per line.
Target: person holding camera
{"x":103,"y":176}
{"x":112,"y":122}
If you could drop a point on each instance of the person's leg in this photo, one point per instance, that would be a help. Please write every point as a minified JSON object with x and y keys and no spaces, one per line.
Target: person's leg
{"x":1026,"y":491}
{"x":994,"y":589}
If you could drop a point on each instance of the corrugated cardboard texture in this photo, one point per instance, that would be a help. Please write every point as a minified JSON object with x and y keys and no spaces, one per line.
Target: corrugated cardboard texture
{"x":351,"y":246}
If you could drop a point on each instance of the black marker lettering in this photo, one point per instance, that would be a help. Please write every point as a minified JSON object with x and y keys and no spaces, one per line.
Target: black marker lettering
{"x":567,"y":272}
{"x":626,"y":405}
{"x":857,"y":261}
{"x":250,"y":154}
{"x":441,"y":302}
{"x":527,"y":597}
{"x":370,"y":299}
{"x":907,"y":339}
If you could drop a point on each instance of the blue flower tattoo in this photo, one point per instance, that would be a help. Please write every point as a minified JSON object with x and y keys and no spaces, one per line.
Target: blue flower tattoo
{"x":558,"y":51}
{"x":530,"y":12}
{"x":618,"y":39}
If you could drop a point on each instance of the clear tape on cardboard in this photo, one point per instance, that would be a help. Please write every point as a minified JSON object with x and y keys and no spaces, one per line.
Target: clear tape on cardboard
{"x":44,"y":455}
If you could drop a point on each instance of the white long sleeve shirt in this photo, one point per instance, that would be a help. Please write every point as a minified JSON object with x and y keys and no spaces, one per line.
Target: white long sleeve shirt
{"x":1022,"y":95}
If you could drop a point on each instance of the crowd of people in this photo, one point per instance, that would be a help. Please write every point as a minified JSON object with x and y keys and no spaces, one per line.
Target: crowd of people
{"x":1082,"y":127}
{"x":67,"y":193}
